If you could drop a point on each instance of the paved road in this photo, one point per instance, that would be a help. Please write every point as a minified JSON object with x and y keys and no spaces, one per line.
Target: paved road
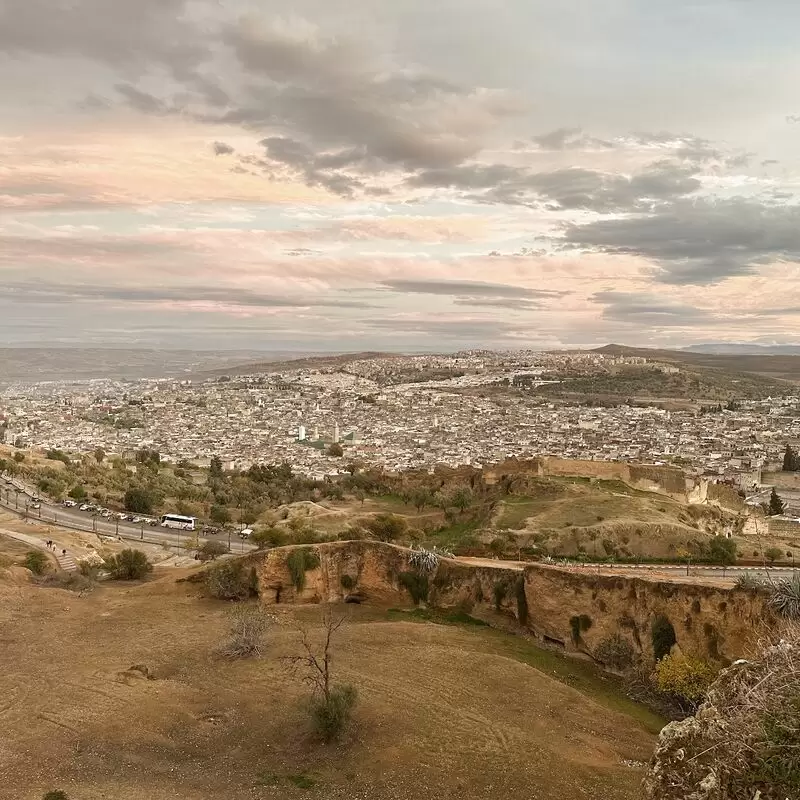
{"x":16,"y":497}
{"x":678,"y":570}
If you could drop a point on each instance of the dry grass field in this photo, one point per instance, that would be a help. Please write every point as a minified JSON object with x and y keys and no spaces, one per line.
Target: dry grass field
{"x":444,"y":711}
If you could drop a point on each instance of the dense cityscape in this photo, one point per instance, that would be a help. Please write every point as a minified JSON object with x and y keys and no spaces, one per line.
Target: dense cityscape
{"x":400,"y":412}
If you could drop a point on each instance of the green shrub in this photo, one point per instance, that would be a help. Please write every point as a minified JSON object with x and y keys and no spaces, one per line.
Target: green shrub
{"x":231,"y":580}
{"x":579,"y":625}
{"x":37,"y":562}
{"x":499,"y":592}
{"x":139,"y":500}
{"x":127,"y":565}
{"x":522,"y":601}
{"x":299,"y":561}
{"x":269,"y":537}
{"x":688,"y":679}
{"x":416,"y":584}
{"x":210,"y":549}
{"x":348,"y":582}
{"x":750,"y":582}
{"x":615,"y":652}
{"x":55,"y":795}
{"x":332,"y":714}
{"x":663,"y":637}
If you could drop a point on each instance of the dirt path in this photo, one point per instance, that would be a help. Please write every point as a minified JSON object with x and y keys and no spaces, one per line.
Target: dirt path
{"x":66,"y":561}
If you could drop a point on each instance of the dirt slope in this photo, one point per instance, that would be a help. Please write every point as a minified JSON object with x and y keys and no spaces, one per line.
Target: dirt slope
{"x":443,"y":712}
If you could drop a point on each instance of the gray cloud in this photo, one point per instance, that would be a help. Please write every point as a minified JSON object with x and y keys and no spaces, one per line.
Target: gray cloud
{"x":69,"y":293}
{"x":569,"y":139}
{"x":699,"y":243}
{"x":128,"y":35}
{"x":468,"y":288}
{"x":572,"y":188}
{"x":476,"y":332}
{"x":222,"y":149}
{"x":644,"y":309}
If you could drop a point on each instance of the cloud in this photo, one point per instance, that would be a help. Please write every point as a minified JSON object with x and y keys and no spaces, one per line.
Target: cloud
{"x":571,"y":188}
{"x":468,"y":288}
{"x":178,"y":295}
{"x":643,"y":309}
{"x":569,"y":139}
{"x":222,"y":149}
{"x":698,"y":242}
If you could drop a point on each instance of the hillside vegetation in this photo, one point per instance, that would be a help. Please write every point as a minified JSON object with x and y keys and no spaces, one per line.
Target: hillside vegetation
{"x":530,"y":517}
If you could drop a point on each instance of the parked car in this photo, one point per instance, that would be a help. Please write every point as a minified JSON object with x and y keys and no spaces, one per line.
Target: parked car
{"x":83,"y":507}
{"x":69,"y":504}
{"x":36,"y":505}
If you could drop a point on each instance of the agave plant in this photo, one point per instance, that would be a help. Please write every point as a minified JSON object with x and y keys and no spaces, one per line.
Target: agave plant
{"x":750,"y":582}
{"x":427,"y":560}
{"x":786,"y":597}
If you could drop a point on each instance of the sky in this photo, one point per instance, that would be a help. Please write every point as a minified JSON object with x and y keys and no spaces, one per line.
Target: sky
{"x":422,"y":176}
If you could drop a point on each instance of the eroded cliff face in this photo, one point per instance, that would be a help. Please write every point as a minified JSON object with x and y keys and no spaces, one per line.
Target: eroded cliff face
{"x":577,"y":611}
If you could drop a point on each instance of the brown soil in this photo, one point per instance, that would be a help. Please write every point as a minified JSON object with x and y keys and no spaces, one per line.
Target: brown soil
{"x":443,"y":711}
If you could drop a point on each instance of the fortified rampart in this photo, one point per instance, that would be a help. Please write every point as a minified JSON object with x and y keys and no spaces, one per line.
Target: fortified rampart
{"x":571,"y":609}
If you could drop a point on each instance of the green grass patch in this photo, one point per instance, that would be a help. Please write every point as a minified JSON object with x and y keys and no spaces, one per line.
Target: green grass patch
{"x":436,"y":616}
{"x":605,"y":689}
{"x":301,"y":780}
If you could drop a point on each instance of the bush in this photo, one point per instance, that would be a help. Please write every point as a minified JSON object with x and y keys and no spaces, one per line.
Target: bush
{"x":579,"y":625}
{"x":688,"y":679}
{"x":77,"y":492}
{"x":37,"y":562}
{"x":416,"y":584}
{"x":71,"y":581}
{"x":773,"y":554}
{"x":348,"y":582}
{"x":269,"y":537}
{"x":128,"y":565}
{"x":615,"y":652}
{"x":745,"y":736}
{"x":722,"y":551}
{"x":522,"y":601}
{"x":750,"y":582}
{"x":332,"y":714}
{"x":209,"y":550}
{"x":663,"y":637}
{"x":499,"y":592}
{"x":786,"y":597}
{"x":299,"y":561}
{"x":139,"y":500}
{"x":55,"y":795}
{"x":230,"y":580}
{"x":386,"y":527}
{"x":246,"y":633}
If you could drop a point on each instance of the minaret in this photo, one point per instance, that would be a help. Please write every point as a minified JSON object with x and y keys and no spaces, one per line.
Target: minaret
{"x":335,"y":431}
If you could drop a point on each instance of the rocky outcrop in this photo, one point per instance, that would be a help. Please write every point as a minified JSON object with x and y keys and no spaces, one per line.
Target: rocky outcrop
{"x":742,"y":744}
{"x":576,"y":610}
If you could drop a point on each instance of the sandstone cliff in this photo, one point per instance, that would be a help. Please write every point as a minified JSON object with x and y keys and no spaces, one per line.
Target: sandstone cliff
{"x":567,"y":608}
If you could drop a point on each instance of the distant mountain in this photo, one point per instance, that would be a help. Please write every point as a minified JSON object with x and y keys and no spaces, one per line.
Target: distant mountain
{"x":312,"y":361}
{"x":741,"y":349}
{"x":36,"y":364}
{"x":775,"y":366}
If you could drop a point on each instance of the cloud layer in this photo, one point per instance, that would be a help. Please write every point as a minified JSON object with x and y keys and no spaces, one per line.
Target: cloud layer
{"x":407,"y":175}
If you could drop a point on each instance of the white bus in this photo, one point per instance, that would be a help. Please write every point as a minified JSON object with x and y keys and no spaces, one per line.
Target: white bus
{"x":178,"y":521}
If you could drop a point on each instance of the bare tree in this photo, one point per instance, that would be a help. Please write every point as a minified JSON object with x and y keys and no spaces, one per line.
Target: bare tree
{"x":331,"y":703}
{"x":245,"y":636}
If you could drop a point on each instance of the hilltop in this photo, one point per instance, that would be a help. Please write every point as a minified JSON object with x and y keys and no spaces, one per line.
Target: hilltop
{"x":780,"y":367}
